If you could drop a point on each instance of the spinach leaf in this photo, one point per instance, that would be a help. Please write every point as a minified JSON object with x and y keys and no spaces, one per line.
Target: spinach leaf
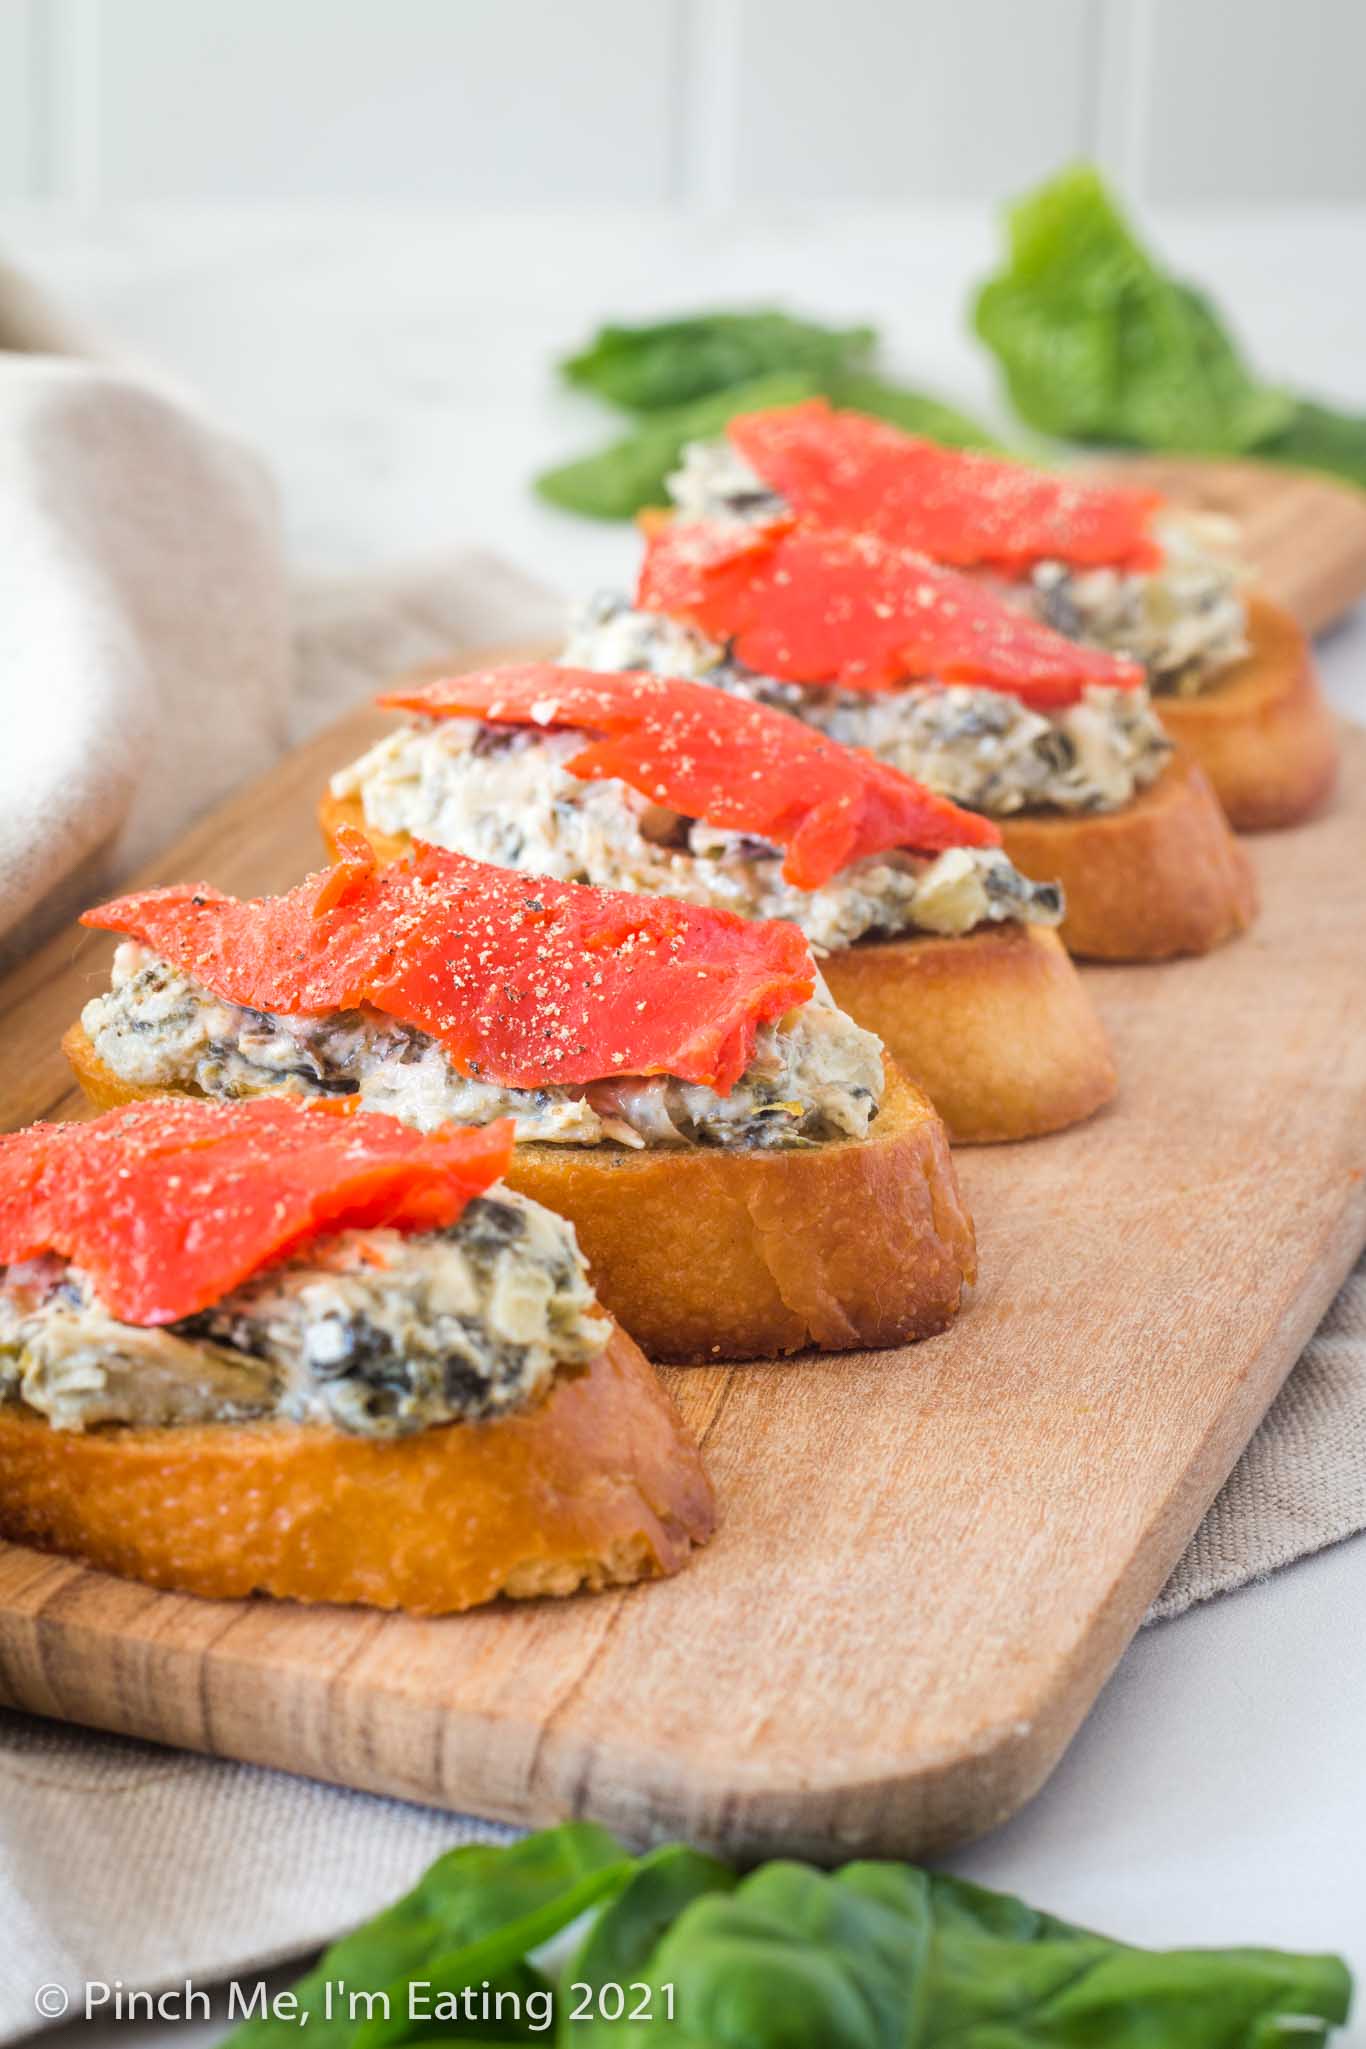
{"x":1321,"y":438}
{"x":473,"y":1916}
{"x":883,"y":1956}
{"x":631,"y":473}
{"x":620,"y":480}
{"x":872,"y":1956}
{"x":793,"y":1958}
{"x":1098,"y":343}
{"x":1003,"y":1976}
{"x":618,"y":1949}
{"x":667,"y":363}
{"x":915,"y":412}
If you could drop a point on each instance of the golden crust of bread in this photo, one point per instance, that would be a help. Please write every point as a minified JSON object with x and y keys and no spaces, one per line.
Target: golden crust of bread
{"x":101,"y":1087}
{"x":995,"y":1026}
{"x":701,"y":1254}
{"x":705,"y":1254}
{"x":1160,"y":877}
{"x":596,"y":1484}
{"x":337,"y":811}
{"x":1262,"y":731}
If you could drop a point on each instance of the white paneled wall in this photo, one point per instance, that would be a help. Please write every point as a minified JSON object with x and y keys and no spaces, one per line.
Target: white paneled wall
{"x":17,"y":69}
{"x":908,"y":100}
{"x":718,"y":101}
{"x":421,"y":98}
{"x":1280,"y":86}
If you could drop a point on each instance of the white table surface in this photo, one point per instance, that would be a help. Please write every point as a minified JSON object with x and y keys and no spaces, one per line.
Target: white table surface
{"x":395,"y":371}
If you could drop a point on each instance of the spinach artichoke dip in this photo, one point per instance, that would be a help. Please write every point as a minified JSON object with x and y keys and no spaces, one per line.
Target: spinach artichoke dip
{"x":1185,"y":622}
{"x":506,"y":794}
{"x":983,"y":748}
{"x":814,"y":1075}
{"x":370,"y":1331}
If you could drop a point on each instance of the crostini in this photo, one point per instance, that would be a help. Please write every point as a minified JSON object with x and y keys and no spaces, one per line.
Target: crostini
{"x":272,"y":1347}
{"x":930,"y":671}
{"x":1117,"y":568}
{"x":745,"y":1174}
{"x":929,"y":936}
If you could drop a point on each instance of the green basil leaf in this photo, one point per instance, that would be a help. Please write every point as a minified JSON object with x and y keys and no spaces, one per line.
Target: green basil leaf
{"x":668,"y":363}
{"x":632,"y":473}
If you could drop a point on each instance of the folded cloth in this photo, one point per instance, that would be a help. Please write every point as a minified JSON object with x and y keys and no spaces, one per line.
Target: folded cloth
{"x":30,"y":322}
{"x":145,"y":631}
{"x":154,"y":656}
{"x":119,"y":1860}
{"x":1301,"y":1484}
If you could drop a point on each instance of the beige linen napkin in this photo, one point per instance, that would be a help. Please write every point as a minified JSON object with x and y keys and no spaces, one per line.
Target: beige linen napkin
{"x":143,"y":629}
{"x":153,"y":655}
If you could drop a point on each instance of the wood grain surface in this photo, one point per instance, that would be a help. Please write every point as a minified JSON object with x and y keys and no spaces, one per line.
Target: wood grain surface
{"x":930,"y":1559}
{"x":1304,"y":535}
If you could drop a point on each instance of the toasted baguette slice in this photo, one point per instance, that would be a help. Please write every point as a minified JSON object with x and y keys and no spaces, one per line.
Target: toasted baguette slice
{"x":596,"y":1484}
{"x":1161,"y":877}
{"x":334,"y":812}
{"x":995,"y":1026}
{"x":705,"y":1254}
{"x":1262,"y":731}
{"x":856,"y":1244}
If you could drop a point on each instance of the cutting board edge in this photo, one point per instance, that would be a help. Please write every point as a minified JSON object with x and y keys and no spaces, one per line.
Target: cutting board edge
{"x":649,"y":1795}
{"x":553,"y":1772}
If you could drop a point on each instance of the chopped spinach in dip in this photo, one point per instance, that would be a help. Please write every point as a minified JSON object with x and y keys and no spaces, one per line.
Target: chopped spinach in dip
{"x":814,"y":1076}
{"x":372,"y":1332}
{"x":1185,"y":621}
{"x":983,"y":748}
{"x":507,"y":795}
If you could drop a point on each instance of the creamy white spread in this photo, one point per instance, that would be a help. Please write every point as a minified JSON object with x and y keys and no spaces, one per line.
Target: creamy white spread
{"x":814,"y":1075}
{"x":372,"y":1332}
{"x":1185,"y":621}
{"x":983,"y":748}
{"x":714,"y":482}
{"x":506,"y":794}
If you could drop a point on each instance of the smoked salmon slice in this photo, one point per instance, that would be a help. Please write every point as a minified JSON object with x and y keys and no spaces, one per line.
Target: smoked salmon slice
{"x":740,"y":766}
{"x":523,"y":980}
{"x":171,"y":1204}
{"x":843,"y":469}
{"x":814,"y":605}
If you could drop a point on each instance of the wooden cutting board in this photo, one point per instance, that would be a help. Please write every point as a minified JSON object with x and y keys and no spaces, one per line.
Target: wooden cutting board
{"x":930,"y":1559}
